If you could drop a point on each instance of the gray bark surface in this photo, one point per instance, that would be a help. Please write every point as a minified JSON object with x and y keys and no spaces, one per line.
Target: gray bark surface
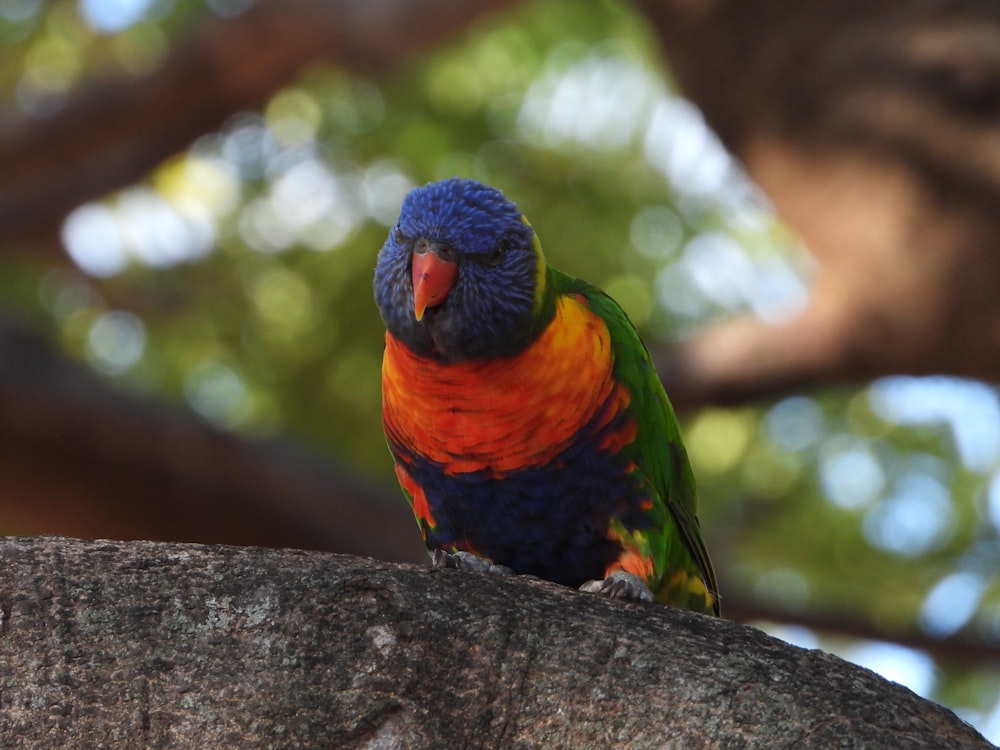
{"x":148,"y":645}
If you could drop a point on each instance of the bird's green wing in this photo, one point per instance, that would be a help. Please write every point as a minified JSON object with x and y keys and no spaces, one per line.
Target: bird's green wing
{"x":674,"y":537}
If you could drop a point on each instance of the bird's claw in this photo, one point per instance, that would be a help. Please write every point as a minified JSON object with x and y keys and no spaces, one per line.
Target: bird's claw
{"x":468,"y":562}
{"x":620,"y":585}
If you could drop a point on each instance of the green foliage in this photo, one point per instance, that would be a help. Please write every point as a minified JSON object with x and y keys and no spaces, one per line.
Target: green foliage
{"x":260,"y":314}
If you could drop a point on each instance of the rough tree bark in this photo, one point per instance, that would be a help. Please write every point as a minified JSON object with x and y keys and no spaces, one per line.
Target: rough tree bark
{"x":154,"y":645}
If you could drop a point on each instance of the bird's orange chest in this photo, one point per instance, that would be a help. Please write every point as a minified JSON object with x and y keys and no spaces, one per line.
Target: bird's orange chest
{"x":505,"y":414}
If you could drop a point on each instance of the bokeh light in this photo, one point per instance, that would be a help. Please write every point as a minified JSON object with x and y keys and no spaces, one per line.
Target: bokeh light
{"x":969,"y":409}
{"x":112,"y":16}
{"x":116,"y":341}
{"x":909,"y":667}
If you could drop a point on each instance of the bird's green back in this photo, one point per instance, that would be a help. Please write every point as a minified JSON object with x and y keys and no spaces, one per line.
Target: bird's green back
{"x":674,"y":536}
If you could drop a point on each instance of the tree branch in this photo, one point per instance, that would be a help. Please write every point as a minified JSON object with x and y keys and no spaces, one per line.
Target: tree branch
{"x":968,"y":647}
{"x":80,"y":457}
{"x":873,"y":128}
{"x":110,"y":136}
{"x":138,"y":645}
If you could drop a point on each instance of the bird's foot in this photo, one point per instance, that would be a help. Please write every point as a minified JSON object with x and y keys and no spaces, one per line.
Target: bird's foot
{"x":620,"y":585}
{"x":468,"y":562}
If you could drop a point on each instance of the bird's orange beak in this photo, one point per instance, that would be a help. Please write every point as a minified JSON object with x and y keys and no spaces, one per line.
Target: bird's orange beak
{"x":432,"y":280}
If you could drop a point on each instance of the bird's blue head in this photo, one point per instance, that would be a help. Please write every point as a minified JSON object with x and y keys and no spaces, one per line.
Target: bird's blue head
{"x":462,"y":275}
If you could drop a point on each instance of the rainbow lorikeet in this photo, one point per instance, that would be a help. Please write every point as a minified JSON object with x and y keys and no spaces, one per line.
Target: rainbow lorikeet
{"x":529,"y":429}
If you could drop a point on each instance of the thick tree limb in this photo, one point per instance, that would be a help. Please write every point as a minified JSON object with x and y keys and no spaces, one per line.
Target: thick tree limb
{"x":155,"y":645}
{"x":874,"y":129}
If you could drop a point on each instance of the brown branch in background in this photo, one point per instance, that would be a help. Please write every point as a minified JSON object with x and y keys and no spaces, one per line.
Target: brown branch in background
{"x":968,"y":649}
{"x":874,"y":128}
{"x":110,"y":136}
{"x":81,"y":458}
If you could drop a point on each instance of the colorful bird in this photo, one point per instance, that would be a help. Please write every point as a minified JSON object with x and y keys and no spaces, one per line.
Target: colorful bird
{"x":529,"y":429}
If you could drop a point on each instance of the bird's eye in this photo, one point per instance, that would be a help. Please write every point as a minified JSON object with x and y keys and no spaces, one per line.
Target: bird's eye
{"x":397,"y":234}
{"x":497,"y":253}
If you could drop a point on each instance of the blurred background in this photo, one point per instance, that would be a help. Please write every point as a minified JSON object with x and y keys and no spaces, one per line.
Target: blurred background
{"x":192,"y":195}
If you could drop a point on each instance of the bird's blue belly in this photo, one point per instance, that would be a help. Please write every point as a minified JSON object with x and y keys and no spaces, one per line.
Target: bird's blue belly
{"x":550,"y":521}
